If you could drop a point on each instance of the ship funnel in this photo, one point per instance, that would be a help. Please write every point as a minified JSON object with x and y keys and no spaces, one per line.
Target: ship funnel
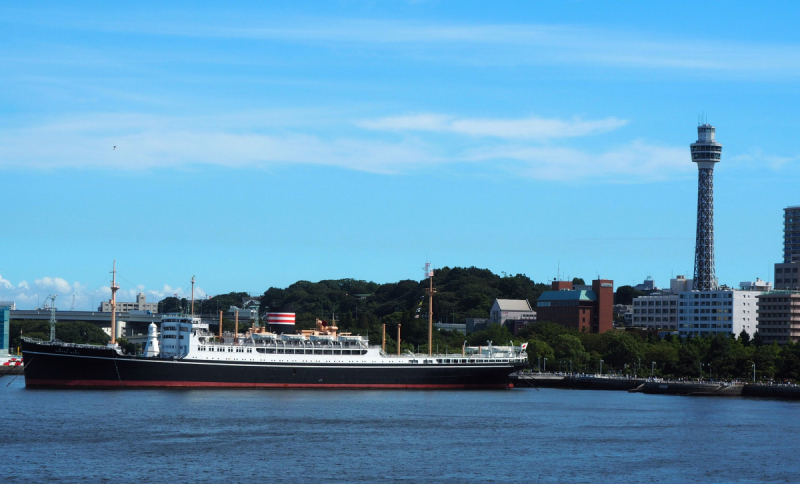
{"x":281,"y":321}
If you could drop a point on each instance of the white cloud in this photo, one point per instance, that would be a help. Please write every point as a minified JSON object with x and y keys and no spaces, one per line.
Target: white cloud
{"x":533,"y":127}
{"x":56,"y":283}
{"x":636,"y":161}
{"x":497,"y":144}
{"x":26,"y":296}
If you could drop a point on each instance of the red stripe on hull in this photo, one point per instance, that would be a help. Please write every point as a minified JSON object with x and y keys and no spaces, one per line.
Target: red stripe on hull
{"x":160,"y":384}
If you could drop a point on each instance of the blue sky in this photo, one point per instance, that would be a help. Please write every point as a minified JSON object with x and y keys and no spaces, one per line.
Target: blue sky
{"x":260,"y":145}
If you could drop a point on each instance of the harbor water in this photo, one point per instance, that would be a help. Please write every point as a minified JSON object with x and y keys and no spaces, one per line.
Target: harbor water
{"x":549,"y":435}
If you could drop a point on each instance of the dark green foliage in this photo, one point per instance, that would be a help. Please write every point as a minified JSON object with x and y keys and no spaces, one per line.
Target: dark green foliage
{"x":361,"y":307}
{"x":578,"y":281}
{"x":569,"y":347}
{"x":623,"y":349}
{"x":127,"y":347}
{"x":69,"y":332}
{"x":538,"y":350}
{"x":625,"y":295}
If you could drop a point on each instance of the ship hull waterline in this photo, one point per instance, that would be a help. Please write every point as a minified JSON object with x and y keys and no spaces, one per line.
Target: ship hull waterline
{"x":51,"y":367}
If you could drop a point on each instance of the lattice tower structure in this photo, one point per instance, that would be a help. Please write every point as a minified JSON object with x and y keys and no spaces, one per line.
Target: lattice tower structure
{"x":706,"y":152}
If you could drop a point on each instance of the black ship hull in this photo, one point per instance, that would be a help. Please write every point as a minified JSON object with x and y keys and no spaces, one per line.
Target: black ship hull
{"x":63,"y":366}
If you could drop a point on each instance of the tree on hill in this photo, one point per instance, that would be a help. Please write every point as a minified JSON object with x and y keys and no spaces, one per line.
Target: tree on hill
{"x":626,"y":294}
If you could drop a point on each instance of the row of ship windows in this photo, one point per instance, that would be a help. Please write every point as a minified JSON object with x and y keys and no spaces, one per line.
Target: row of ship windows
{"x":464,"y":361}
{"x":282,"y":351}
{"x":223,"y":349}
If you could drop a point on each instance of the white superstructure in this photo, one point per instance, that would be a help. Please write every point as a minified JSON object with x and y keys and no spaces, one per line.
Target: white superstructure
{"x":186,"y":338}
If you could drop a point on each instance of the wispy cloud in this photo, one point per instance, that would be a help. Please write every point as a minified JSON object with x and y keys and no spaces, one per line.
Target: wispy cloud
{"x":533,"y":127}
{"x":498,"y":44}
{"x":499,"y":146}
{"x":634,"y":162}
{"x":757,"y":159}
{"x":133,"y":142}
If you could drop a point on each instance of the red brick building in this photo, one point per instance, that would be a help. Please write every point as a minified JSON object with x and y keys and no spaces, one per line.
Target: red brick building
{"x":589,"y":310}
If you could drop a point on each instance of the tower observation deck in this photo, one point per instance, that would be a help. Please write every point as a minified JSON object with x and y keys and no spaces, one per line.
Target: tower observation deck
{"x":706,"y":153}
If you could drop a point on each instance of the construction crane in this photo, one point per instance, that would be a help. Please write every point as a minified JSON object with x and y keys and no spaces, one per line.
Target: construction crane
{"x":52,"y":299}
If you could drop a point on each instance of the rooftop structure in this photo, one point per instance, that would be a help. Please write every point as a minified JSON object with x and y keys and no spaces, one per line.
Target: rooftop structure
{"x":706,"y":152}
{"x":647,"y":285}
{"x":680,"y":284}
{"x":757,"y":285}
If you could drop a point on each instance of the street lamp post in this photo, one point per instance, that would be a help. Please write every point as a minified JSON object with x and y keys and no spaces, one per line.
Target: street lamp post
{"x":545,"y":365}
{"x":539,"y":363}
{"x":652,"y":369}
{"x":754,"y":372}
{"x":601,"y":367}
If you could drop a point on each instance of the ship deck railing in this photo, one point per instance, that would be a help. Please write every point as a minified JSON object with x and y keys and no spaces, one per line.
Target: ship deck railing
{"x":61,"y":343}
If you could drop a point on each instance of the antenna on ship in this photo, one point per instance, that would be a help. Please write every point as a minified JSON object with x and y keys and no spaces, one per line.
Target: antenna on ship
{"x":430,"y":291}
{"x":114,"y":289}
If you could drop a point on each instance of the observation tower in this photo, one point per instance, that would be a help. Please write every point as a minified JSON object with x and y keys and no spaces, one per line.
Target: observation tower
{"x":706,"y":153}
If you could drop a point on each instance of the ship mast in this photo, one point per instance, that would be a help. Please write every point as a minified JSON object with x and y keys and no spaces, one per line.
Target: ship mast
{"x":52,"y":299}
{"x":430,"y":291}
{"x":114,"y":289}
{"x":192,"y":297}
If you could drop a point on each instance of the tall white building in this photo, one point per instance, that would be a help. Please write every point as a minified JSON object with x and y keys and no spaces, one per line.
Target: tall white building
{"x":701,"y":313}
{"x":707,"y":313}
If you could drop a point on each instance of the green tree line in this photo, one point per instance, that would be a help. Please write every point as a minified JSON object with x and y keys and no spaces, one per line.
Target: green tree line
{"x":624,"y":352}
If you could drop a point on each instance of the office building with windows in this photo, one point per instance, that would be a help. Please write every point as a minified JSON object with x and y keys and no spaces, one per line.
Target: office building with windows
{"x":787,"y":273}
